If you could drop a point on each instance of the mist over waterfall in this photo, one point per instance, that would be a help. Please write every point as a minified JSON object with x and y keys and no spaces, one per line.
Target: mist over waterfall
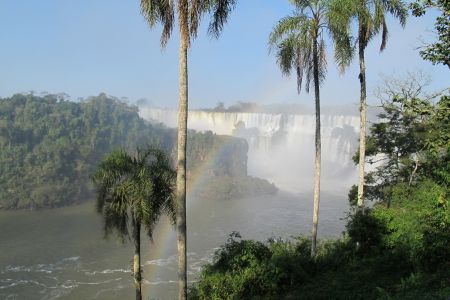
{"x":281,"y":146}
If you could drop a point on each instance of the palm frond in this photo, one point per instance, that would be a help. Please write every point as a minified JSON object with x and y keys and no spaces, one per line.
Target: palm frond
{"x":308,"y":68}
{"x":142,"y":185}
{"x":160,"y":11}
{"x":384,"y":36}
{"x":293,"y":38}
{"x":322,"y":61}
{"x":286,"y":27}
{"x":190,"y":13}
{"x":287,"y":56}
{"x":377,"y":16}
{"x":220,"y":10}
{"x":196,"y":9}
{"x":115,"y":221}
{"x":398,"y":9}
{"x":339,"y":16}
{"x":300,"y":5}
{"x":371,"y":16}
{"x":344,"y":51}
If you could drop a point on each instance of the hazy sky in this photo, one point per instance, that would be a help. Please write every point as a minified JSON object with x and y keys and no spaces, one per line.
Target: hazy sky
{"x":84,"y":47}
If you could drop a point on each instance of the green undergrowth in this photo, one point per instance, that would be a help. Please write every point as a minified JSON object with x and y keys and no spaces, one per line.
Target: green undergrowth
{"x":400,"y":252}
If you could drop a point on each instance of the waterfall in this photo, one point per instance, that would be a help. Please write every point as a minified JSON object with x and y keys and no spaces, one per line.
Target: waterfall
{"x":281,"y":146}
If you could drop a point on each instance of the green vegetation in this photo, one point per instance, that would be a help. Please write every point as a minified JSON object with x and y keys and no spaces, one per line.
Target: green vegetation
{"x":133,"y":192}
{"x":410,"y":144}
{"x":234,"y":187}
{"x":223,"y":168}
{"x":50,"y":147}
{"x":220,"y":155}
{"x":398,"y":249}
{"x":439,"y":51}
{"x":402,"y":253}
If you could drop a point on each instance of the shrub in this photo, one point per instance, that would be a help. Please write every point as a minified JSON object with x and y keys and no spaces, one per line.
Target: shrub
{"x":367,"y":231}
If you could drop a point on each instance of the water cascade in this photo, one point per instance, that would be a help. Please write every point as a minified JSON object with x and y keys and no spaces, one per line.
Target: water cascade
{"x":281,"y":146}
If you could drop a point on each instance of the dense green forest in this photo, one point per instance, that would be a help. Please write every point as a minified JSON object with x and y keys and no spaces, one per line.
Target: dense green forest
{"x":397,"y":249}
{"x":50,"y":147}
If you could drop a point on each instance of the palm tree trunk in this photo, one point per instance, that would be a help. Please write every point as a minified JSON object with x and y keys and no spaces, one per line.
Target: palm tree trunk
{"x":318,"y":151}
{"x":362,"y":125}
{"x":137,"y":258}
{"x":182,"y":139}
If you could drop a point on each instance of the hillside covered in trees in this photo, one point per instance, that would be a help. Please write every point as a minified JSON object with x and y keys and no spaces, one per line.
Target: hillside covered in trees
{"x":50,"y":147}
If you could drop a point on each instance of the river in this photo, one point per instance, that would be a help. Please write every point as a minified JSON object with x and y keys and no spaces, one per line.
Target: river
{"x":61,"y":253}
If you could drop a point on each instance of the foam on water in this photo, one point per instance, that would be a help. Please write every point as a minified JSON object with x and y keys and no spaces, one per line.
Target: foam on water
{"x":107,"y":271}
{"x":60,"y":284}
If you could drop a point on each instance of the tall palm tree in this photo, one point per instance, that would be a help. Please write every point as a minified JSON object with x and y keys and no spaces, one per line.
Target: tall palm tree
{"x":134,"y":192}
{"x":370,"y":16}
{"x":299,"y":43}
{"x":189,"y":13}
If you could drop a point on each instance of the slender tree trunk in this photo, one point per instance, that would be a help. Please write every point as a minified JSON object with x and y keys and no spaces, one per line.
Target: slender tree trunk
{"x":362,"y":124}
{"x":182,"y":139}
{"x":137,"y":258}
{"x":318,"y":151}
{"x":416,"y":161}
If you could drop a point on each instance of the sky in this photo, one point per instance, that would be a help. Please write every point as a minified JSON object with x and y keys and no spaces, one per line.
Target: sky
{"x":86,"y":47}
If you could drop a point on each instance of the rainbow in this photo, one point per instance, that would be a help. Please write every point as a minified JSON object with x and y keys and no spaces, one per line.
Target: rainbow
{"x":165,"y":233}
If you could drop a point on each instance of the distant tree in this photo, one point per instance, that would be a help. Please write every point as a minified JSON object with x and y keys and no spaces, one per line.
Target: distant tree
{"x":189,"y":13}
{"x":439,"y":51}
{"x":300,"y":47}
{"x":410,"y":142}
{"x":242,"y":106}
{"x":371,"y":19}
{"x":220,"y":107}
{"x":134,"y":192}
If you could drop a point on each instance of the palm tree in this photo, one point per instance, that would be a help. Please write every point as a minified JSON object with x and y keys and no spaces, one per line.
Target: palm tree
{"x":134,"y":192}
{"x":189,"y":13}
{"x":300,"y":46}
{"x":371,"y":19}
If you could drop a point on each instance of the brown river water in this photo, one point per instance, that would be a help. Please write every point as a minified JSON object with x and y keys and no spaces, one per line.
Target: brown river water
{"x":61,"y":253}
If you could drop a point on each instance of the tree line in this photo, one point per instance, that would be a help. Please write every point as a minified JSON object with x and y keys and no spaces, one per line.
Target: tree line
{"x":51,"y":146}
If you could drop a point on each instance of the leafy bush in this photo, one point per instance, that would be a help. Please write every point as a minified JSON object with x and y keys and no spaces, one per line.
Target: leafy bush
{"x":367,"y":231}
{"x":245,"y":269}
{"x":400,"y":252}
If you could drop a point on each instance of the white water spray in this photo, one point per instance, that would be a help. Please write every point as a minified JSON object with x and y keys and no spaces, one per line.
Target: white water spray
{"x":281,"y":146}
